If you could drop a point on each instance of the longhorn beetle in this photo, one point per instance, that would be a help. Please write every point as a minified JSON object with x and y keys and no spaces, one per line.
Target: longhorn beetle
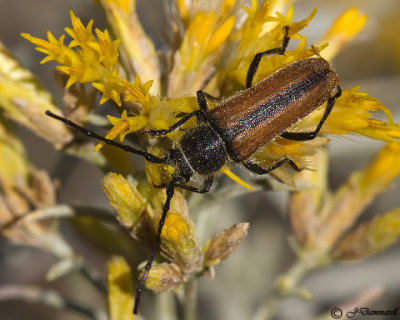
{"x":238,"y":126}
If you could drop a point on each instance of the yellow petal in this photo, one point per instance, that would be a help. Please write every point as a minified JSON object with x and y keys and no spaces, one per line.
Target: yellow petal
{"x":230,"y":174}
{"x":226,"y":7}
{"x":343,"y":30}
{"x":221,"y":34}
{"x":112,"y":134}
{"x":175,"y":228}
{"x":382,"y":170}
{"x":183,"y":10}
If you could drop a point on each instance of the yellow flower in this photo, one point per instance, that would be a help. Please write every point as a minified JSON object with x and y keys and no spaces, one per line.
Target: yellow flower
{"x":178,"y":239}
{"x":124,"y":198}
{"x":164,"y":277}
{"x":94,"y":61}
{"x":120,"y":289}
{"x":122,"y":126}
{"x":175,"y":228}
{"x":202,"y":43}
{"x":224,"y":244}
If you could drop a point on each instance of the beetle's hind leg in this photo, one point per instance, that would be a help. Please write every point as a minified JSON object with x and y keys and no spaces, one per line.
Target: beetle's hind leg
{"x":259,"y":170}
{"x":304,"y":136}
{"x":257,"y":58}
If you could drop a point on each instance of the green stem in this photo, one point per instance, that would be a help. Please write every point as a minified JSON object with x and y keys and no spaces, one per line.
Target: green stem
{"x":165,"y":306}
{"x":86,"y":153}
{"x":93,"y":277}
{"x":190,"y":300}
{"x":70,"y":211}
{"x":287,"y":284}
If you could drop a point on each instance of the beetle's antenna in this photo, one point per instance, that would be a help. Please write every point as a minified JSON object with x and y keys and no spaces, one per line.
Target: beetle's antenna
{"x":148,"y":156}
{"x":156,"y":244}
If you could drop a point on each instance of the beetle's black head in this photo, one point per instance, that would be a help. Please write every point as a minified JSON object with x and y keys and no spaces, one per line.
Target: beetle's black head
{"x":182,"y":170}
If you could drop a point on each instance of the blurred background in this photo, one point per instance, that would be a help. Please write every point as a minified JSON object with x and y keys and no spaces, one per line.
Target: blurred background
{"x":371,"y":61}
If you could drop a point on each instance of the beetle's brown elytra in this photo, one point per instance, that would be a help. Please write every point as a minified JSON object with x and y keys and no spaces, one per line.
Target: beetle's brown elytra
{"x":238,"y":126}
{"x":262,"y":112}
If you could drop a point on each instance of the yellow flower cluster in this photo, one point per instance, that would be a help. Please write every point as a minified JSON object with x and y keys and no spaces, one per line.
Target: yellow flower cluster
{"x":212,"y":46}
{"x":23,"y":100}
{"x":214,"y":53}
{"x":179,"y":241}
{"x":321,"y":223}
{"x":96,"y":60}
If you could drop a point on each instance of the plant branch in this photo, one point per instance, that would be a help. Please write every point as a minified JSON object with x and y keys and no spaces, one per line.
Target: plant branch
{"x":287,"y":284}
{"x":190,"y":300}
{"x":49,"y":298}
{"x":94,"y":277}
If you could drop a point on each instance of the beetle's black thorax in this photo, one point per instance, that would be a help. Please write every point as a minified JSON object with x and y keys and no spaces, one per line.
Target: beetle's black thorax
{"x":204,"y":149}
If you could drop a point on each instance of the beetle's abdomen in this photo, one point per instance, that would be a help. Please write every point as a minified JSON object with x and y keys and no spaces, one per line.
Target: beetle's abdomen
{"x":259,"y":114}
{"x":203,"y":149}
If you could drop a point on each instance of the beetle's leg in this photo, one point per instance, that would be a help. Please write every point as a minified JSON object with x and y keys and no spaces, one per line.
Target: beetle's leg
{"x":257,"y":58}
{"x":202,"y":102}
{"x":303,"y":136}
{"x":259,"y":170}
{"x":156,"y":244}
{"x":173,"y":127}
{"x":148,"y":156}
{"x":204,"y":189}
{"x":210,"y":97}
{"x":200,"y":114}
{"x":170,"y":192}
